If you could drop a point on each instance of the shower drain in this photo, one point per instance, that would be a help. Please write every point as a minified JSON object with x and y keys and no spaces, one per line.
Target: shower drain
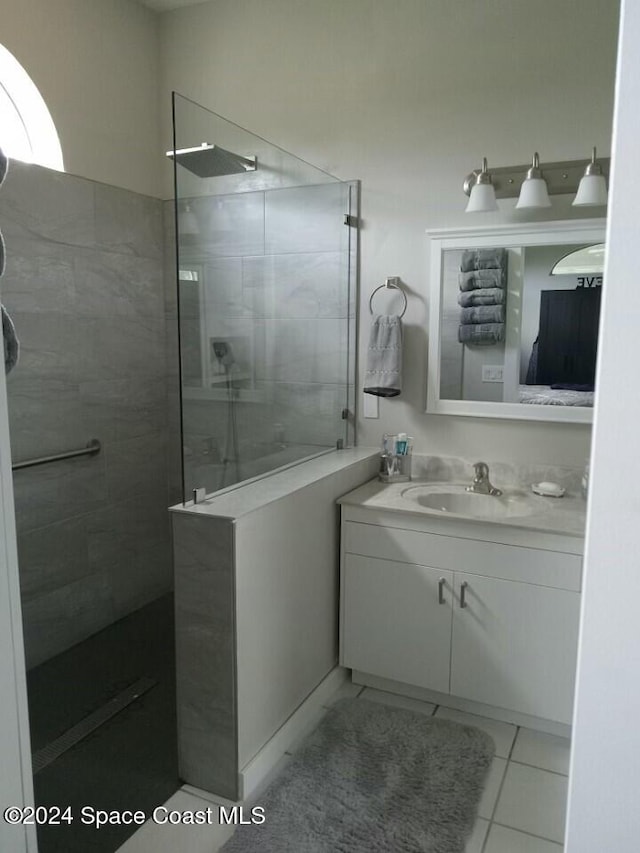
{"x":45,"y":756}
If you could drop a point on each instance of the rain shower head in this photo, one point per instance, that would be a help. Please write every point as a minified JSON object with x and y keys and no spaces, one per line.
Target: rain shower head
{"x":211,"y":161}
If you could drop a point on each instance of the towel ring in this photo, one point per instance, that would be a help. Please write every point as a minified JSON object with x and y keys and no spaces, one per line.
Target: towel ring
{"x":389,"y":286}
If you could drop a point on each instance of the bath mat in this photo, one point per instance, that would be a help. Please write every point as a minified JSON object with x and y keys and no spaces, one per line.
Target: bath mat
{"x":374,"y":779}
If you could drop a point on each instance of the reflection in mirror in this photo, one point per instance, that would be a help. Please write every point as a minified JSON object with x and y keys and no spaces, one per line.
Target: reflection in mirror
{"x":518,"y":321}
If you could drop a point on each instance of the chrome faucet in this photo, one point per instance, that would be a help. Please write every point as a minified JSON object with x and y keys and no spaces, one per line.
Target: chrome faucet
{"x":481,"y":484}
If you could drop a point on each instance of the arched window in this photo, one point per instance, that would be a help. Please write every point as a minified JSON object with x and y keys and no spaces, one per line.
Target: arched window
{"x":27,"y":131}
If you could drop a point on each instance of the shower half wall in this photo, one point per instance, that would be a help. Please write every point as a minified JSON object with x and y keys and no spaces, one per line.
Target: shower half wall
{"x":266,"y":269}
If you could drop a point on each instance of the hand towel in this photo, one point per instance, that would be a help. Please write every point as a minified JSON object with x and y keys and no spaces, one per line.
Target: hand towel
{"x":482,"y":259}
{"x":482,"y":334}
{"x":11,"y":345}
{"x":483,"y":296}
{"x":383,"y":376}
{"x":482,"y":278}
{"x":483,"y":314}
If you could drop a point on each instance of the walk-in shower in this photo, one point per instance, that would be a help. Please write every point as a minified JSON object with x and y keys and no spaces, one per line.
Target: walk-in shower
{"x":266,"y":270}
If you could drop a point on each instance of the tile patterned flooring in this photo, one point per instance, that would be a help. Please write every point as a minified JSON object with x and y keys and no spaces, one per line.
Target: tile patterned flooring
{"x":522,"y":809}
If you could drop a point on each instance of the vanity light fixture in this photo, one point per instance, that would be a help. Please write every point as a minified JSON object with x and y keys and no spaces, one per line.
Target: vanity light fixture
{"x":532,"y":188}
{"x":592,"y":190}
{"x":534,"y":192}
{"x":482,"y":196}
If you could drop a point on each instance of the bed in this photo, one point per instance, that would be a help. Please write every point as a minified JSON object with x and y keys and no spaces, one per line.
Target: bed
{"x":544,"y":395}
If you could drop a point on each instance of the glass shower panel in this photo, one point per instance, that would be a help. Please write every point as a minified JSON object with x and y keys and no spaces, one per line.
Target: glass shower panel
{"x":266,"y":272}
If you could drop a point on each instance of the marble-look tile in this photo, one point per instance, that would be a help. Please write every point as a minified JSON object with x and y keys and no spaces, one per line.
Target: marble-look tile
{"x":121,"y":409}
{"x":133,"y":467}
{"x":221,"y":283}
{"x":533,"y":801}
{"x":231,"y":225}
{"x":113,"y":285}
{"x":548,"y":752}
{"x":297,"y":285}
{"x":52,"y":556}
{"x":86,"y":290}
{"x":55,"y":206}
{"x":134,"y":586}
{"x":128,"y":222}
{"x":48,"y":346}
{"x":39,"y":277}
{"x":204,"y":596}
{"x":312,"y":414}
{"x":307,"y":351}
{"x":51,"y":493}
{"x":122,"y":535}
{"x":169,"y":268}
{"x":44,"y":416}
{"x":62,"y":618}
{"x":115,"y":347}
{"x":306,"y":219}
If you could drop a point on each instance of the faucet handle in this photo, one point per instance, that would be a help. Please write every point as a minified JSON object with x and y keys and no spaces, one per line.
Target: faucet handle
{"x":481,"y":469}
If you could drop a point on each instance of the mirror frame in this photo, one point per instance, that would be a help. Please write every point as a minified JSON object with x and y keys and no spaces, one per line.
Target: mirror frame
{"x":518,"y":235}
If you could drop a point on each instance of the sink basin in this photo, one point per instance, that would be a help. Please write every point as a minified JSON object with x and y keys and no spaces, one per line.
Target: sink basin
{"x":455,"y":500}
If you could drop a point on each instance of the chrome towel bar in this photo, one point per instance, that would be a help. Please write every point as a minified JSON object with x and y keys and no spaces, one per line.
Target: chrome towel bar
{"x":91,"y":449}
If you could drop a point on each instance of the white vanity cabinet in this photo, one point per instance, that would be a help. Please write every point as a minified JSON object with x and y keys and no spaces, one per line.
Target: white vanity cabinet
{"x":492,"y":619}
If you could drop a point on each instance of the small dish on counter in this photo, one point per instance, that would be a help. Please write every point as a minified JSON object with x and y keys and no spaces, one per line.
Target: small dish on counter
{"x":548,"y":490}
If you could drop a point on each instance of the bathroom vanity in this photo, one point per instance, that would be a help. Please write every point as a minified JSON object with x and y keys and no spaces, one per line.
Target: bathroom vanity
{"x":468,"y":600}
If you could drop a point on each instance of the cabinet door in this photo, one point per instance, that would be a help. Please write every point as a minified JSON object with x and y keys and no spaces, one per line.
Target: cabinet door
{"x":514,"y":645}
{"x":396,"y":621}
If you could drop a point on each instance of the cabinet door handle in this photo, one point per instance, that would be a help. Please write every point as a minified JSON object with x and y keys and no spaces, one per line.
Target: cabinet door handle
{"x":441,"y":585}
{"x":463,"y":592}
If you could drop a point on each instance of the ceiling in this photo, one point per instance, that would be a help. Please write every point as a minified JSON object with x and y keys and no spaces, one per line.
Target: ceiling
{"x":165,"y":5}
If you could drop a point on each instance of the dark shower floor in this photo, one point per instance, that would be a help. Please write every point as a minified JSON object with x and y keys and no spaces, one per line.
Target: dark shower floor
{"x":130,"y":762}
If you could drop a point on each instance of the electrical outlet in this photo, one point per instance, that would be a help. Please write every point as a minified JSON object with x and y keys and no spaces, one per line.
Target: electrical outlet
{"x":492,"y":373}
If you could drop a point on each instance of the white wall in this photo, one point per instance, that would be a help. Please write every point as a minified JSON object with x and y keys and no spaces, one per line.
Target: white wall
{"x":16,"y":784}
{"x":96,"y":65}
{"x":603,"y":800}
{"x":408,"y":96}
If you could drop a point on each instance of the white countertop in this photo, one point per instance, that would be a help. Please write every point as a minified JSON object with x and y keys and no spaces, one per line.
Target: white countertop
{"x":564,"y":515}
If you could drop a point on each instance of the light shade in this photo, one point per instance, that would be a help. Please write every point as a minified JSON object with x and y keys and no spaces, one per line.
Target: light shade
{"x":482,"y":198}
{"x":592,"y":190}
{"x":534,"y":192}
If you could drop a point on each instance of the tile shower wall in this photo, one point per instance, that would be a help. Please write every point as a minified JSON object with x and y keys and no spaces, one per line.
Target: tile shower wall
{"x":84,"y":286}
{"x":273,"y":271}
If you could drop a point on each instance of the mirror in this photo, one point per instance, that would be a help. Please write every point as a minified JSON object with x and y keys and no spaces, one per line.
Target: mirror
{"x":514,"y":315}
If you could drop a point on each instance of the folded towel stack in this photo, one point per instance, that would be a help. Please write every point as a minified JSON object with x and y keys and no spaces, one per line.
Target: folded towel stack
{"x":10,"y":341}
{"x":482,"y":280}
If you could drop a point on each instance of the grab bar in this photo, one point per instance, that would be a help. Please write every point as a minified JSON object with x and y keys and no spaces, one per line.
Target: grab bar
{"x":91,"y":449}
